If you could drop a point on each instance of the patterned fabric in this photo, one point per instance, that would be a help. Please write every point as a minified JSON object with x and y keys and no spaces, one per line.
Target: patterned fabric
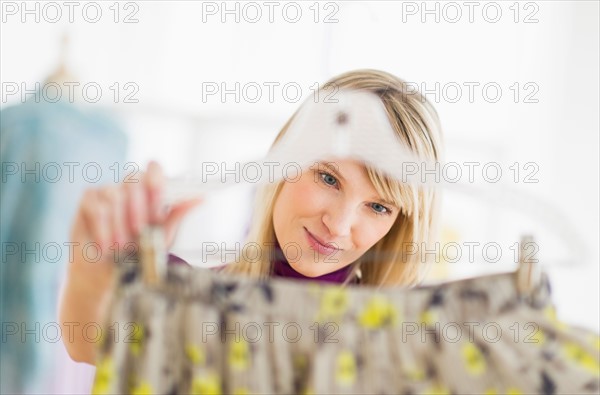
{"x":205,"y":332}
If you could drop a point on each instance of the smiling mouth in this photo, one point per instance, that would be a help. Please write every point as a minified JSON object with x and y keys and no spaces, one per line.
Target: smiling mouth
{"x":320,"y":247}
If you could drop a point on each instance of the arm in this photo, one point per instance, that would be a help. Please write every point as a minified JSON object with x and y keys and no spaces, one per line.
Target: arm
{"x":106,"y":216}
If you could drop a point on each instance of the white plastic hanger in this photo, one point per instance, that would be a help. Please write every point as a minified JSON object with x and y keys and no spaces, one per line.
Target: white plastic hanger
{"x":62,"y":73}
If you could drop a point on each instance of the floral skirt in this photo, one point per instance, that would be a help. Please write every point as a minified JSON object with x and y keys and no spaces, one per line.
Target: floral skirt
{"x":204,"y":332}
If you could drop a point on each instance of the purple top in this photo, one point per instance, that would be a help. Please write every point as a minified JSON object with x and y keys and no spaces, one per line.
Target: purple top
{"x":282,"y":268}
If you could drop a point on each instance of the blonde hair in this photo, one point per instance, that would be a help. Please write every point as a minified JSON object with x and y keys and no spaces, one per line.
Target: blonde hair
{"x":391,"y":261}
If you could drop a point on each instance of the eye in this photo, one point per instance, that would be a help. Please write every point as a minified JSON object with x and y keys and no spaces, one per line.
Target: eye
{"x":328,"y":178}
{"x":380,"y":209}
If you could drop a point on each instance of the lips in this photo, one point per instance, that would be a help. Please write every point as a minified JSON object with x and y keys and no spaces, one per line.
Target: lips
{"x":318,"y":245}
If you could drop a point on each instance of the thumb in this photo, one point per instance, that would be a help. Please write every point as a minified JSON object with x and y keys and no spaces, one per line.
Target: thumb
{"x":176,"y":215}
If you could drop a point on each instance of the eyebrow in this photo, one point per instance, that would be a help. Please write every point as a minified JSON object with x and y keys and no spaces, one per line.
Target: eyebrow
{"x":384,"y":201}
{"x":334,"y":170}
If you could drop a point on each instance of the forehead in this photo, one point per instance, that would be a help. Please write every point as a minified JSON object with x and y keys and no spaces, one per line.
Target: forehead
{"x":354,"y":176}
{"x":345,"y":164}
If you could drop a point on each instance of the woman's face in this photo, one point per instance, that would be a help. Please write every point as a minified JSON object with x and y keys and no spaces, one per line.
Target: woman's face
{"x":329,"y":217}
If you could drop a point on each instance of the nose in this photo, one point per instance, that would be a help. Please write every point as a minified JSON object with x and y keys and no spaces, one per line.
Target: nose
{"x":339,"y":220}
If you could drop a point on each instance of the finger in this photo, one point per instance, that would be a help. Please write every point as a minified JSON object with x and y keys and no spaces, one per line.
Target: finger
{"x":113,"y":197}
{"x":154,"y":180}
{"x":176,"y":215}
{"x":94,"y":214}
{"x":136,"y":207}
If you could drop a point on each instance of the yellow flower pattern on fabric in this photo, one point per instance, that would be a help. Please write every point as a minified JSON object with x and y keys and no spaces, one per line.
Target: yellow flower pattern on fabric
{"x":596,"y":341}
{"x":509,"y":391}
{"x":437,"y":390}
{"x":209,"y":384}
{"x":142,"y":388}
{"x":550,"y":313}
{"x":299,"y":361}
{"x":345,"y":369}
{"x":136,"y":340}
{"x":195,"y":354}
{"x":378,"y":312}
{"x":334,"y":303}
{"x":583,"y":358}
{"x":538,"y":337}
{"x":473,"y":358}
{"x":415,"y":374}
{"x":428,"y":317}
{"x":239,"y":354}
{"x":308,"y":391}
{"x":104,"y":376}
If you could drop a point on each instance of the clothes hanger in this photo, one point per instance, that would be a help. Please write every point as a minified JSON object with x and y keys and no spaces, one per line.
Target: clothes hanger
{"x":62,"y":73}
{"x":153,"y":255}
{"x":528,"y":274}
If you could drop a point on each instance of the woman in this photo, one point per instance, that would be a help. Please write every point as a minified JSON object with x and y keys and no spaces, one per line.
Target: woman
{"x":350,"y":222}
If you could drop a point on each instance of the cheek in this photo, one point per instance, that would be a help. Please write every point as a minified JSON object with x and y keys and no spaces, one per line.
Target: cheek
{"x":370,"y":234}
{"x":303,"y":198}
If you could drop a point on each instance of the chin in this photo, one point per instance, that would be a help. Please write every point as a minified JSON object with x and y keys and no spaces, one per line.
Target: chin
{"x":307,"y":269}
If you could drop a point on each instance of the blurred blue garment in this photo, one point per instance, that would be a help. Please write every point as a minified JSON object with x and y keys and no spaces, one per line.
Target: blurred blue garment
{"x":44,"y":149}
